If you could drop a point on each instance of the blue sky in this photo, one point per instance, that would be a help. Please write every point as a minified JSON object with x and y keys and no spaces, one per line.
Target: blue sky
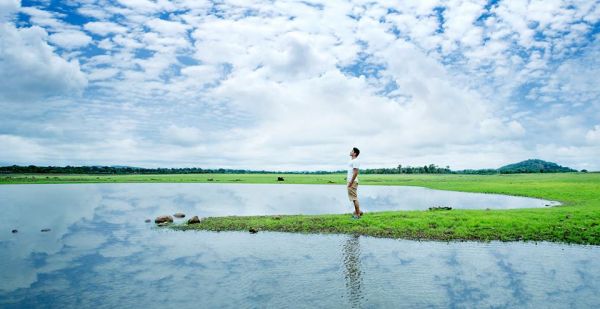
{"x":295,"y":84}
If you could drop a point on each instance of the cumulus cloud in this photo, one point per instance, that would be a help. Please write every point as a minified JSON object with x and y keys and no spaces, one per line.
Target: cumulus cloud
{"x":104,"y":28}
{"x":289,"y":85}
{"x":8,"y":8}
{"x":71,"y":39}
{"x":30,"y":69}
{"x":165,"y":27}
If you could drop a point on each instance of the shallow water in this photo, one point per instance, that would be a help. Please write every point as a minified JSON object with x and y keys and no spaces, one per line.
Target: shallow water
{"x":150,"y":200}
{"x":100,"y":253}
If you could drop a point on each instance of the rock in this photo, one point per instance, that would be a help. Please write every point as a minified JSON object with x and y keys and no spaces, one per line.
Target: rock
{"x":440,"y":208}
{"x":179,"y":215}
{"x":253,"y":230}
{"x":14,"y":231}
{"x":194,"y":220}
{"x":163,"y":219}
{"x":147,"y":220}
{"x":280,"y":179}
{"x":163,"y":223}
{"x":45,"y":230}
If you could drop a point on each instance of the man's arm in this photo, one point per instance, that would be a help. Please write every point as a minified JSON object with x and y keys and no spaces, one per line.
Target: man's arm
{"x":354,"y":174}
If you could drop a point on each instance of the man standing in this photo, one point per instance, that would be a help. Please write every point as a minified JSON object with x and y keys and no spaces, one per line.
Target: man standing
{"x":352,"y":179}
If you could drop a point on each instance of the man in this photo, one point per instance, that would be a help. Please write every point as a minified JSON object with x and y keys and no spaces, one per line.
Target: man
{"x":352,"y":179}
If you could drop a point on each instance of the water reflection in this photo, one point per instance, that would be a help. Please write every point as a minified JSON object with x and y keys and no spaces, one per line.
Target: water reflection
{"x":143,"y":267}
{"x":100,"y":253}
{"x":352,"y":272}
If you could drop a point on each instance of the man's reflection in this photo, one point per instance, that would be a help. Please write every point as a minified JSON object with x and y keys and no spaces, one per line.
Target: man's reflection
{"x":352,"y":273}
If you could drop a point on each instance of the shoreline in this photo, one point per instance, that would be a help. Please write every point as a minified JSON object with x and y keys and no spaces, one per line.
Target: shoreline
{"x":575,"y":221}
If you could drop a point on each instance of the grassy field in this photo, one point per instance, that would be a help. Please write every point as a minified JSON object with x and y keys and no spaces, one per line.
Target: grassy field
{"x":577,"y":221}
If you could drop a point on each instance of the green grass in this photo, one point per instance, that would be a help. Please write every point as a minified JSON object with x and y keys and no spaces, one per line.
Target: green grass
{"x":577,"y":221}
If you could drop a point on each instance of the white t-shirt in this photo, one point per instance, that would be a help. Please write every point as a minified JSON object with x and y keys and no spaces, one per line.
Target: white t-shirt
{"x":352,"y":164}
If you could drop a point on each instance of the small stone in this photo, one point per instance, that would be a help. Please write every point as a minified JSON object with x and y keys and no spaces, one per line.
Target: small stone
{"x":179,"y":215}
{"x":45,"y":230}
{"x":147,"y":220}
{"x":163,"y":219}
{"x":14,"y":231}
{"x":194,"y":220}
{"x":253,"y":230}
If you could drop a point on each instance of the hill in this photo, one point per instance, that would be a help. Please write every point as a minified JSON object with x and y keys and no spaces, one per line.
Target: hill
{"x":534,"y":166}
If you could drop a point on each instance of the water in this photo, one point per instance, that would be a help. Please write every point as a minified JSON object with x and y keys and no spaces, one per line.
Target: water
{"x":150,"y":200}
{"x":100,"y":253}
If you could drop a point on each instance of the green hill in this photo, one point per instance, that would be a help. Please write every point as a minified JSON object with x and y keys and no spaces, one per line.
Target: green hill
{"x":534,"y":166}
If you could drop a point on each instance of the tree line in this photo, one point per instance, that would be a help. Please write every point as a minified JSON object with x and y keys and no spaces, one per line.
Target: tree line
{"x":118,"y":170}
{"x":527,"y":166}
{"x":123,"y":170}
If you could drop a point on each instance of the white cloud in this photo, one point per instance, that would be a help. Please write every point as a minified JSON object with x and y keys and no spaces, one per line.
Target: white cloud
{"x":496,"y":128}
{"x":8,"y":8}
{"x":15,"y":148}
{"x":71,"y":39}
{"x":104,"y":28}
{"x":97,"y":13}
{"x":593,"y":135}
{"x":286,"y":85}
{"x":102,"y":74}
{"x":165,"y":27}
{"x":459,"y":27}
{"x":30,"y":69}
{"x":183,"y":135}
{"x":46,"y":19}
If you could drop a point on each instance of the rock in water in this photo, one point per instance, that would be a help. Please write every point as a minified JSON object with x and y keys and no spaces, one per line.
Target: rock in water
{"x":163,"y":219}
{"x":14,"y":231}
{"x":194,"y":220}
{"x":45,"y":230}
{"x":147,"y":220}
{"x":179,"y":215}
{"x":253,"y":230}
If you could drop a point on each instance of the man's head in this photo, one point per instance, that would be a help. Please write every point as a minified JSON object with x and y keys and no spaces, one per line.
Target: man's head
{"x":354,"y":152}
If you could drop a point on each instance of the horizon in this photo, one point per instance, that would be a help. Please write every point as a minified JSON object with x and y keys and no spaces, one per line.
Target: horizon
{"x":294,"y":85}
{"x":290,"y":171}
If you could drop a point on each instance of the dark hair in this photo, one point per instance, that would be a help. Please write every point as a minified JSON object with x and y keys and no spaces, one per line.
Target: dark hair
{"x":356,"y":151}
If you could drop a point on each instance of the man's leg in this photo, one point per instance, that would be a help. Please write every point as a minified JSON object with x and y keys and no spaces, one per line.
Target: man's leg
{"x":357,"y":211}
{"x":353,"y":196}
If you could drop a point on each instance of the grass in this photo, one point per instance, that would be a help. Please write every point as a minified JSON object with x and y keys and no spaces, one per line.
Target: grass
{"x":577,"y":221}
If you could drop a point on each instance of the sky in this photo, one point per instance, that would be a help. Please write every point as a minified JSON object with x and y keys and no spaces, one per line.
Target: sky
{"x":294,"y":85}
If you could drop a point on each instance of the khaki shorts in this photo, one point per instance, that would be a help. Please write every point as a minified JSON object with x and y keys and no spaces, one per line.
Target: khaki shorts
{"x":352,"y":195}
